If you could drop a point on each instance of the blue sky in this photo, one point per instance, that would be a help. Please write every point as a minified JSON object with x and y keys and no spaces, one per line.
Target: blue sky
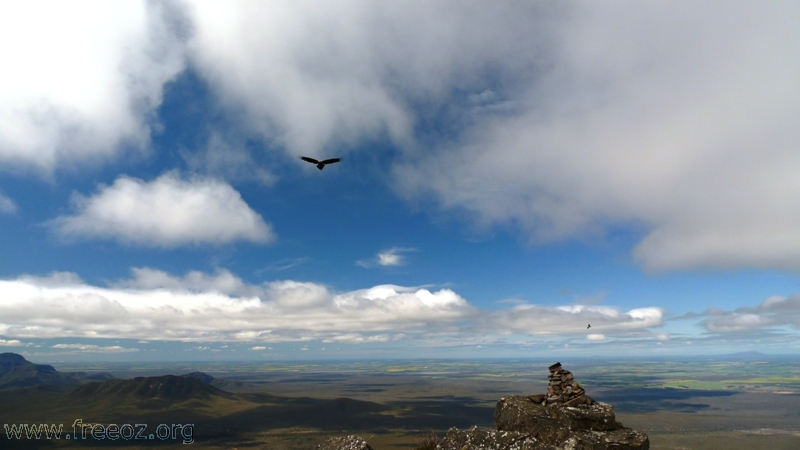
{"x":511,"y":174}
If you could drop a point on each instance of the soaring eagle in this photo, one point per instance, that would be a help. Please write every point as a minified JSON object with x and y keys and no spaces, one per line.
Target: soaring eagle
{"x":320,"y":164}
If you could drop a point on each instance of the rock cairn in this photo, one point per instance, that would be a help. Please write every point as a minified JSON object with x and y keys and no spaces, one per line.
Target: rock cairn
{"x":563,"y":389}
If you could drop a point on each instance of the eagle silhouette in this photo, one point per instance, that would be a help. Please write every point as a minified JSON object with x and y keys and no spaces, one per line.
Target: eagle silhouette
{"x":588,"y":326}
{"x":320,"y":164}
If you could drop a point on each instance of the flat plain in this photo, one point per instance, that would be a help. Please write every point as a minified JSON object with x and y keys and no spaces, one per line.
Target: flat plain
{"x":690,"y":403}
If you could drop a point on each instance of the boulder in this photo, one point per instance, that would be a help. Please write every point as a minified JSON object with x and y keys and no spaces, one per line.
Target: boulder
{"x":351,"y":442}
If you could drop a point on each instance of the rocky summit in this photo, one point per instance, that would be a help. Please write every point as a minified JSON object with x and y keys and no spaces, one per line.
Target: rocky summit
{"x":564,"y":418}
{"x":351,"y":442}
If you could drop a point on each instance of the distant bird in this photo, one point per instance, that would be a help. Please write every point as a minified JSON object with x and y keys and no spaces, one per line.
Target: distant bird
{"x":588,"y":326}
{"x":320,"y":164}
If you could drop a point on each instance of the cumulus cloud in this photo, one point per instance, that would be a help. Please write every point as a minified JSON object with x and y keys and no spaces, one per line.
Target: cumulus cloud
{"x":167,"y":211}
{"x":216,"y":307}
{"x":155,"y":305}
{"x":7,"y":205}
{"x":390,"y":257}
{"x":596,"y":337}
{"x":82,"y":80}
{"x":10,"y":343}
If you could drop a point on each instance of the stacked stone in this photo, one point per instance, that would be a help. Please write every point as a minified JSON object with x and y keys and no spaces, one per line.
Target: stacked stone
{"x":564,"y":389}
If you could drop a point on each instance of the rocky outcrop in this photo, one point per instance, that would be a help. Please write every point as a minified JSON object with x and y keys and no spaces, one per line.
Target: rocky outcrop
{"x":551,"y":424}
{"x":563,"y":419}
{"x":557,"y":425}
{"x":351,"y":442}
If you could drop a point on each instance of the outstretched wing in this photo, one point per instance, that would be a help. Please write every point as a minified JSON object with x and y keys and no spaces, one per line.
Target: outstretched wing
{"x":311,"y":160}
{"x":331,"y":161}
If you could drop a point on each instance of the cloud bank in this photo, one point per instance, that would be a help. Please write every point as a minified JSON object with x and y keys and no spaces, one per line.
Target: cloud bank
{"x":773,"y":313}
{"x":154,"y":305}
{"x":167,"y":212}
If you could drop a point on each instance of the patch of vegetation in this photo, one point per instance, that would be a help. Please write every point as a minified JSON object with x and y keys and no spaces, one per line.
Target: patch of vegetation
{"x":428,"y":442}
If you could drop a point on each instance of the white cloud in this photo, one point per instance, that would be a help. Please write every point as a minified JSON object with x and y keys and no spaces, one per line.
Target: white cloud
{"x":222,"y":281}
{"x":572,"y":320}
{"x":81,"y":80}
{"x":680,"y":121}
{"x":7,"y":205}
{"x":578,"y":117}
{"x":390,"y":257}
{"x":167,"y":211}
{"x":596,"y":337}
{"x":736,"y":322}
{"x":95,"y":348}
{"x":258,"y":348}
{"x":773,"y":312}
{"x":308,"y":74}
{"x":10,"y":343}
{"x":172,"y":308}
{"x":154,"y":305}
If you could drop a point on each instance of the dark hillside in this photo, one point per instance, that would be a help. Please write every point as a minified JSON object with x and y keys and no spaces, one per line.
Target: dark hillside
{"x":17,"y":372}
{"x":204,"y":377}
{"x":169,"y":388}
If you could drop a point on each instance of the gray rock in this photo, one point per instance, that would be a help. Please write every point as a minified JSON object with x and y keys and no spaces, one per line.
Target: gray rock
{"x":621,"y":439}
{"x":591,"y":427}
{"x":478,"y":439}
{"x":351,"y":442}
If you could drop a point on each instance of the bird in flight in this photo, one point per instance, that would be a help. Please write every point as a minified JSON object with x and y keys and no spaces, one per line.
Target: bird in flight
{"x":588,"y":326}
{"x":320,"y":164}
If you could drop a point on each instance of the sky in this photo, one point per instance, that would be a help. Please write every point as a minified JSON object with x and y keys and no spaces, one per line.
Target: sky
{"x":512,"y":173}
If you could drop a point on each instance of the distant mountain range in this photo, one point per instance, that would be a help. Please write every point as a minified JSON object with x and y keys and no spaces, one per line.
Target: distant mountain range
{"x":746,"y":356}
{"x":17,"y":372}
